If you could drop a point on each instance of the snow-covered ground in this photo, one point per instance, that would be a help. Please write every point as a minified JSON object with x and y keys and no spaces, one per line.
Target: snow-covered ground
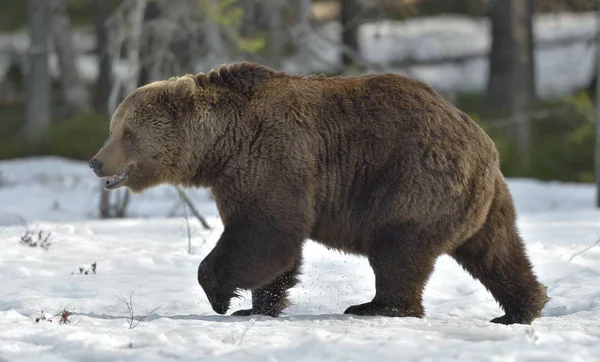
{"x":147,"y":255}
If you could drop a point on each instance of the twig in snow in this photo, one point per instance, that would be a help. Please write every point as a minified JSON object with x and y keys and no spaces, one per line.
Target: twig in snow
{"x":239,"y":342}
{"x":584,"y":250}
{"x":132,"y":320}
{"x":83,"y":271}
{"x":64,"y":316}
{"x":41,"y":240}
{"x":195,"y":211}
{"x":189,"y":233}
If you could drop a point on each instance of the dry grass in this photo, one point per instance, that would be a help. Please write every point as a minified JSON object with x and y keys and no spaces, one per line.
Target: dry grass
{"x":35,"y":238}
{"x":64,"y":316}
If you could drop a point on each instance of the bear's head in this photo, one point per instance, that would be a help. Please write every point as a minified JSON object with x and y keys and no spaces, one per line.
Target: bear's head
{"x":162,"y":132}
{"x":149,"y":141}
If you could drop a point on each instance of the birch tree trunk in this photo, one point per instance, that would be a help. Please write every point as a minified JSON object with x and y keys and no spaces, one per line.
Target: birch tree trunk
{"x":126,"y":28}
{"x":151,"y":13}
{"x":74,"y":92}
{"x":103,"y":83}
{"x":38,"y":79}
{"x":135,"y":24}
{"x":214,"y":40}
{"x":131,"y":30}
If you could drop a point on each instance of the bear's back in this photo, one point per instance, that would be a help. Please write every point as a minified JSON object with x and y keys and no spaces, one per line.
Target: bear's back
{"x":384,"y":146}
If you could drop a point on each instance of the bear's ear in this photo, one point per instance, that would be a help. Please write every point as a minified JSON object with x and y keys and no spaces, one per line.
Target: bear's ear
{"x":176,"y":96}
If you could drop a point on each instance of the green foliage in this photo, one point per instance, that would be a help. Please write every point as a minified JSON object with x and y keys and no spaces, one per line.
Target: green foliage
{"x":79,"y":137}
{"x":11,"y":117}
{"x":13,"y":15}
{"x":563,"y":143}
{"x":228,"y":14}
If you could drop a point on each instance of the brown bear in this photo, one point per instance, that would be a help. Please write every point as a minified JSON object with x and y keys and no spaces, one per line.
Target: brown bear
{"x":378,"y":165}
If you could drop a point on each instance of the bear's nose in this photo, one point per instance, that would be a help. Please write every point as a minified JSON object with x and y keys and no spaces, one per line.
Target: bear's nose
{"x":96,"y":166}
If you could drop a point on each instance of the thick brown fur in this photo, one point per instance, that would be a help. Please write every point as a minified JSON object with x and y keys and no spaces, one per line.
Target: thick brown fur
{"x":376,"y":165}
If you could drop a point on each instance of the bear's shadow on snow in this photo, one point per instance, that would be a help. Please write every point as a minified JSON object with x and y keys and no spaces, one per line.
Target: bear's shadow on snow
{"x":284,"y":318}
{"x":475,"y":330}
{"x":232,"y":319}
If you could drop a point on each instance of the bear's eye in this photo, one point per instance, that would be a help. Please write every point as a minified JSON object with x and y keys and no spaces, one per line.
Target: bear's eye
{"x":127,"y":135}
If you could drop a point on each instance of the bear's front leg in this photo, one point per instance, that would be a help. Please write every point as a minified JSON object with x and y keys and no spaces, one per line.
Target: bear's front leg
{"x":272,"y":299}
{"x":248,"y":256}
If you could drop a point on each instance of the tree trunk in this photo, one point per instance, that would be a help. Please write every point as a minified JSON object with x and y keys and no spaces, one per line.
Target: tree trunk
{"x":39,"y":84}
{"x":349,"y":19}
{"x":511,"y":55}
{"x":498,"y":86}
{"x":130,"y":23}
{"x":304,"y":51}
{"x":214,"y":40}
{"x":523,"y":87}
{"x":135,"y":24}
{"x":152,"y":13}
{"x":103,"y":82}
{"x":597,"y":94}
{"x":74,"y":92}
{"x":511,"y":86}
{"x":275,"y":34}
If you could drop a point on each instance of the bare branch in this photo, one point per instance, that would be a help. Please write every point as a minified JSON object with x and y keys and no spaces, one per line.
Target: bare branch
{"x":118,"y":208}
{"x":189,"y":234}
{"x":75,"y":94}
{"x":121,"y":206}
{"x":239,"y":342}
{"x":355,"y":56}
{"x":586,"y":249}
{"x":194,"y":210}
{"x":132,"y":320}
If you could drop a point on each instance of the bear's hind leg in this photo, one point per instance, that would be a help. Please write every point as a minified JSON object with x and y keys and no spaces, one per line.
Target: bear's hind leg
{"x":272,"y":298}
{"x":402,"y":263}
{"x":496,"y":256}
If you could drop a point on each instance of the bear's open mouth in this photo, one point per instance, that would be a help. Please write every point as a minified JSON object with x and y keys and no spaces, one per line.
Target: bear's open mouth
{"x":114,"y":181}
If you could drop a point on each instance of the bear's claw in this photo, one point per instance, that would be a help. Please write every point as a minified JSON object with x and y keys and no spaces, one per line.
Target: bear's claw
{"x":243,"y":312}
{"x":249,"y":312}
{"x":376,"y":309}
{"x":508,"y":319}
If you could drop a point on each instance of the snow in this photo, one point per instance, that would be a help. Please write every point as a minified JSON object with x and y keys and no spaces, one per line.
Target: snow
{"x":559,"y":69}
{"x":147,"y":255}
